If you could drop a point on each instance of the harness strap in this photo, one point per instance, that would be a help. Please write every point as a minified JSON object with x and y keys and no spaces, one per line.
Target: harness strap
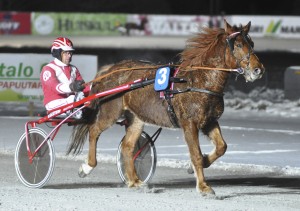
{"x":206,"y":91}
{"x":195,"y":90}
{"x":168,"y":93}
{"x":172,"y":115}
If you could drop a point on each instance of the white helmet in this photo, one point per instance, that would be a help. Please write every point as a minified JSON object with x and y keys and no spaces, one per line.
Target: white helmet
{"x":62,"y":43}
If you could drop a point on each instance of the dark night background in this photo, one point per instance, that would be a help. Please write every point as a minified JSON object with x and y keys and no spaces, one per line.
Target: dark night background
{"x":180,"y":7}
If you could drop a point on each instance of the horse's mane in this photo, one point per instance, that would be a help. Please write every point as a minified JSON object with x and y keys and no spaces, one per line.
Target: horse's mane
{"x":200,"y":47}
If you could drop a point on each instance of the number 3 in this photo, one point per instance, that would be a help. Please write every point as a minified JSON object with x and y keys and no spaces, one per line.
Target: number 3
{"x":163,"y":76}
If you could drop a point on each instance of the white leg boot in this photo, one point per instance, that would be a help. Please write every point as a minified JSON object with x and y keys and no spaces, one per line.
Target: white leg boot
{"x":85,"y":170}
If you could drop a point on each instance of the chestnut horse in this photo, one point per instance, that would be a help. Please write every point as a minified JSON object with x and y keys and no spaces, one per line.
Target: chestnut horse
{"x":198,"y":108}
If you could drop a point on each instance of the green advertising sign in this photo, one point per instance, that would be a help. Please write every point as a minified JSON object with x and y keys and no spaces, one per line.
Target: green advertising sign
{"x":61,"y":24}
{"x":20,"y":74}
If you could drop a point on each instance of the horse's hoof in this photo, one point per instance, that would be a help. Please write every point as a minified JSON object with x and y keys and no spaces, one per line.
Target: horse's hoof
{"x":84,"y":170}
{"x":209,"y":192}
{"x":209,"y":195}
{"x":205,"y":190}
{"x":81,"y":173}
{"x":136,"y":183}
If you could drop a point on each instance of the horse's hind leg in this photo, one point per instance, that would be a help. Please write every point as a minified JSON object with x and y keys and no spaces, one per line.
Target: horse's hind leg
{"x":91,"y":161}
{"x":213,"y":131}
{"x":104,"y":121}
{"x":133,"y":132}
{"x":191,"y":134}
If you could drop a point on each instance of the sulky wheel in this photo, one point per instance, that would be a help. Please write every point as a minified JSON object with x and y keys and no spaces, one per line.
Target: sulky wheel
{"x":37,"y":173}
{"x":145,"y":161}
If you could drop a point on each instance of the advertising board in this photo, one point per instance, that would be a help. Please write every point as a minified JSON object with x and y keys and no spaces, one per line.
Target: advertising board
{"x":69,"y":24}
{"x":15,"y":23}
{"x":20,"y":74}
{"x":271,"y":26}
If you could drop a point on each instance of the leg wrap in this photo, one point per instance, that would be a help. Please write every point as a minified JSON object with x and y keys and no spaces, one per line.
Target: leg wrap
{"x":86,"y":168}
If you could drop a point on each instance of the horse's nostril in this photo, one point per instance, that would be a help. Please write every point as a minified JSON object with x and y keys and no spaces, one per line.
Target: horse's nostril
{"x":257,"y":71}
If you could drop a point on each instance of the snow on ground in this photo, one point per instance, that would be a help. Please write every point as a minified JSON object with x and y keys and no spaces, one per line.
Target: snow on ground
{"x":266,"y":101}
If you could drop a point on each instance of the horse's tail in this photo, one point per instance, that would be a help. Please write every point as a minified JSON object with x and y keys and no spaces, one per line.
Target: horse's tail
{"x":80,"y":131}
{"x":78,"y":137}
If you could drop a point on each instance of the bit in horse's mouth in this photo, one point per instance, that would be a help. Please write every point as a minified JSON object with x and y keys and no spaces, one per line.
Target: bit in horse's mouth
{"x":240,"y":71}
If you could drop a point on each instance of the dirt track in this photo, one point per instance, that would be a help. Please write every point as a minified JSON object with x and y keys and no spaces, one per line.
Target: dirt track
{"x":170,"y":189}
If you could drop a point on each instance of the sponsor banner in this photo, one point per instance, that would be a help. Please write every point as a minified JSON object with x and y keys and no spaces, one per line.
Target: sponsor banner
{"x":15,"y":23}
{"x":20,"y":74}
{"x":181,"y":25}
{"x":271,"y":26}
{"x":119,"y":24}
{"x":66,"y":24}
{"x":167,"y":25}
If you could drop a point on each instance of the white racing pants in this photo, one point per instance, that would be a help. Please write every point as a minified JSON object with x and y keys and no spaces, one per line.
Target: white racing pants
{"x":61,"y":102}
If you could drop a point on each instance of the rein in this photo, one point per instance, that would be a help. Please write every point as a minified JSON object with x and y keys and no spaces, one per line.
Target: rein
{"x":229,"y":41}
{"x":238,"y":70}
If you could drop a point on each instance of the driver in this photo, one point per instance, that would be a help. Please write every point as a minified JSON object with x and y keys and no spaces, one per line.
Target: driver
{"x":62,"y":82}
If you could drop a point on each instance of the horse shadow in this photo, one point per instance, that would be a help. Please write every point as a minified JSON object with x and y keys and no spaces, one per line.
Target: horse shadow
{"x":292,"y":183}
{"x":86,"y":185}
{"x":289,"y":185}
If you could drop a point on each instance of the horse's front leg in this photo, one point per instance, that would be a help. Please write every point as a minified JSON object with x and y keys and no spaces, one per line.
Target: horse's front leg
{"x":91,"y":161}
{"x":213,"y":131}
{"x":191,"y":134}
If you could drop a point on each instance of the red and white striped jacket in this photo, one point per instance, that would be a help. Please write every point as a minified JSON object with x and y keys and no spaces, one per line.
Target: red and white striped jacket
{"x":56,"y":78}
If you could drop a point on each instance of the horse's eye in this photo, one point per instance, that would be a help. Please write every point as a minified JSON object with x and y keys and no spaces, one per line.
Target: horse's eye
{"x":239,"y":45}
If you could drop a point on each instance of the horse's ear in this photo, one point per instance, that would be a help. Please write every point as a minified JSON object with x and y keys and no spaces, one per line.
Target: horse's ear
{"x":247,"y":27}
{"x":227,"y":27}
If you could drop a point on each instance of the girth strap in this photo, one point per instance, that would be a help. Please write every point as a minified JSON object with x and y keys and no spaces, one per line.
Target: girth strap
{"x":171,"y":112}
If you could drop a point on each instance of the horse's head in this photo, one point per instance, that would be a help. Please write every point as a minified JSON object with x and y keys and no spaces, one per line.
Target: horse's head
{"x":239,"y":52}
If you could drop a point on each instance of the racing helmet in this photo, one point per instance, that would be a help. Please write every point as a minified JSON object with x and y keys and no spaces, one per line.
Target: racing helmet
{"x":62,"y":43}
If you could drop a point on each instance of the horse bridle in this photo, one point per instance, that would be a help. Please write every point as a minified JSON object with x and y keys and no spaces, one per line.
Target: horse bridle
{"x":230,"y":40}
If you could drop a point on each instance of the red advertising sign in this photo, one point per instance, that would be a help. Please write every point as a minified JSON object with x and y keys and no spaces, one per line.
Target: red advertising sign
{"x":15,"y":23}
